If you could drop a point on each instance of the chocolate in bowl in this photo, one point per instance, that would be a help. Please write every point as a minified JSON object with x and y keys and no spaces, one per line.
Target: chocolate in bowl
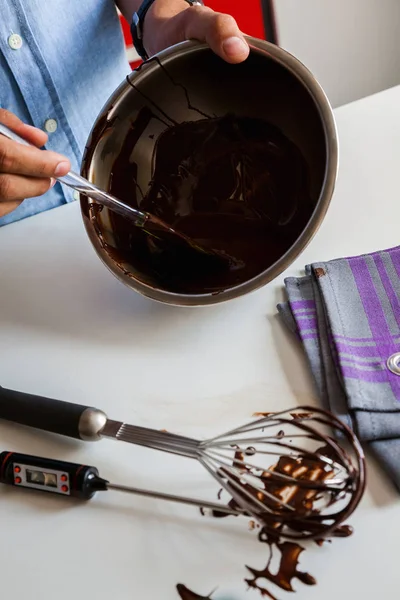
{"x":242,"y":158}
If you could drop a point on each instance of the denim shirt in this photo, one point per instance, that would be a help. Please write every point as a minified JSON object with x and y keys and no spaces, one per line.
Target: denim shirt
{"x":59,"y":62}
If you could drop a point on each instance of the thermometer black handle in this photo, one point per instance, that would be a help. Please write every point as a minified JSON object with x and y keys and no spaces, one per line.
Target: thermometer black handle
{"x":48,"y":475}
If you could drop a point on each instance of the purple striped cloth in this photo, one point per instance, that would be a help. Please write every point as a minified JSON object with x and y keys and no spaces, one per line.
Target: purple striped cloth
{"x":346,"y":313}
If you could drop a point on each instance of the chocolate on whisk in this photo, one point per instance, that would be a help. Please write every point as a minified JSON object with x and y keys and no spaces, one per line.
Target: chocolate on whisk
{"x":314,"y":485}
{"x":310,"y":484}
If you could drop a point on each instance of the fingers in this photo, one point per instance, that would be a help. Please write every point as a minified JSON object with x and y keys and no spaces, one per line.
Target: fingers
{"x":26,"y":171}
{"x":30,"y":134}
{"x":15,"y":188}
{"x":7,"y":207}
{"x":24,"y":160}
{"x":220,"y":31}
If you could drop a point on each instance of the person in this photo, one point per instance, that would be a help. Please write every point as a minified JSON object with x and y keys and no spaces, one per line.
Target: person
{"x":59,"y":63}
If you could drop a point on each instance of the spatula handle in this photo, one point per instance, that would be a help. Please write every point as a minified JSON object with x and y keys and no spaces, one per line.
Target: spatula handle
{"x":65,"y":418}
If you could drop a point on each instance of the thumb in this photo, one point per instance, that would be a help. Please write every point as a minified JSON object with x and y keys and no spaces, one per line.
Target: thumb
{"x":220,"y":31}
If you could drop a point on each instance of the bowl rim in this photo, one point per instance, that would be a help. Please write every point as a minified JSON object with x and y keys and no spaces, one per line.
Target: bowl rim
{"x":306,"y":78}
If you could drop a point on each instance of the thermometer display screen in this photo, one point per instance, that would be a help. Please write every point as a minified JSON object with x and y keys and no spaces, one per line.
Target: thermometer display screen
{"x":41,"y":478}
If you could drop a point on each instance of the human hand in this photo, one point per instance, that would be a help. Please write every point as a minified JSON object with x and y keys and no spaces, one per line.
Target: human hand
{"x":171,"y":21}
{"x":25,"y":172}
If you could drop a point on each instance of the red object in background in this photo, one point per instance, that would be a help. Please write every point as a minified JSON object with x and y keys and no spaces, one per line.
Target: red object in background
{"x":249,"y":16}
{"x":126,"y":30}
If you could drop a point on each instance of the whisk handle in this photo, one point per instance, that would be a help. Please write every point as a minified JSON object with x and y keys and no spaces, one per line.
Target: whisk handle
{"x":65,"y":418}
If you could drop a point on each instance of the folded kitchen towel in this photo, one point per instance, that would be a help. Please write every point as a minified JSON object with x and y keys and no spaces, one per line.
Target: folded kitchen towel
{"x":346,"y":313}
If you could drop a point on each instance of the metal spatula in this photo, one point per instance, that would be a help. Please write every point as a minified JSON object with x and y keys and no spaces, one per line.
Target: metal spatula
{"x":158,"y":229}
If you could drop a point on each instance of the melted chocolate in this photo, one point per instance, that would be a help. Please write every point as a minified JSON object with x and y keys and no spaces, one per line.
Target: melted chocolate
{"x":294,"y":415}
{"x":287,"y":570}
{"x":302,"y":499}
{"x":187,"y":594}
{"x":250,"y":451}
{"x":220,"y":514}
{"x":234,"y":184}
{"x":239,"y":458}
{"x":301,"y":415}
{"x":262,"y":414}
{"x":288,"y":564}
{"x":344,"y":531}
{"x":299,"y":497}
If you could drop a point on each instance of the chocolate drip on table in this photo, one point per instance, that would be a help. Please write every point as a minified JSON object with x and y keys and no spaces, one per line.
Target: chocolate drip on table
{"x":288,"y":563}
{"x":287,"y":571}
{"x":187,"y":594}
{"x":235,"y":184}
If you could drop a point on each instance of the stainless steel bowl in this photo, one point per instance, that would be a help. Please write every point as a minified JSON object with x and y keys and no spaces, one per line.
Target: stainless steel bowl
{"x":271,"y":84}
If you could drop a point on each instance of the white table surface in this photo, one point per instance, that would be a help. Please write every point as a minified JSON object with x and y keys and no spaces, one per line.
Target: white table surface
{"x":70,"y":330}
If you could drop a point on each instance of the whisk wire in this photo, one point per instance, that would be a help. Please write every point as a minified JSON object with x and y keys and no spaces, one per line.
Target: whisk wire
{"x":276,"y":476}
{"x":233,"y":487}
{"x":158,"y":440}
{"x":268,"y":421}
{"x":314,"y":474}
{"x":281,"y":444}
